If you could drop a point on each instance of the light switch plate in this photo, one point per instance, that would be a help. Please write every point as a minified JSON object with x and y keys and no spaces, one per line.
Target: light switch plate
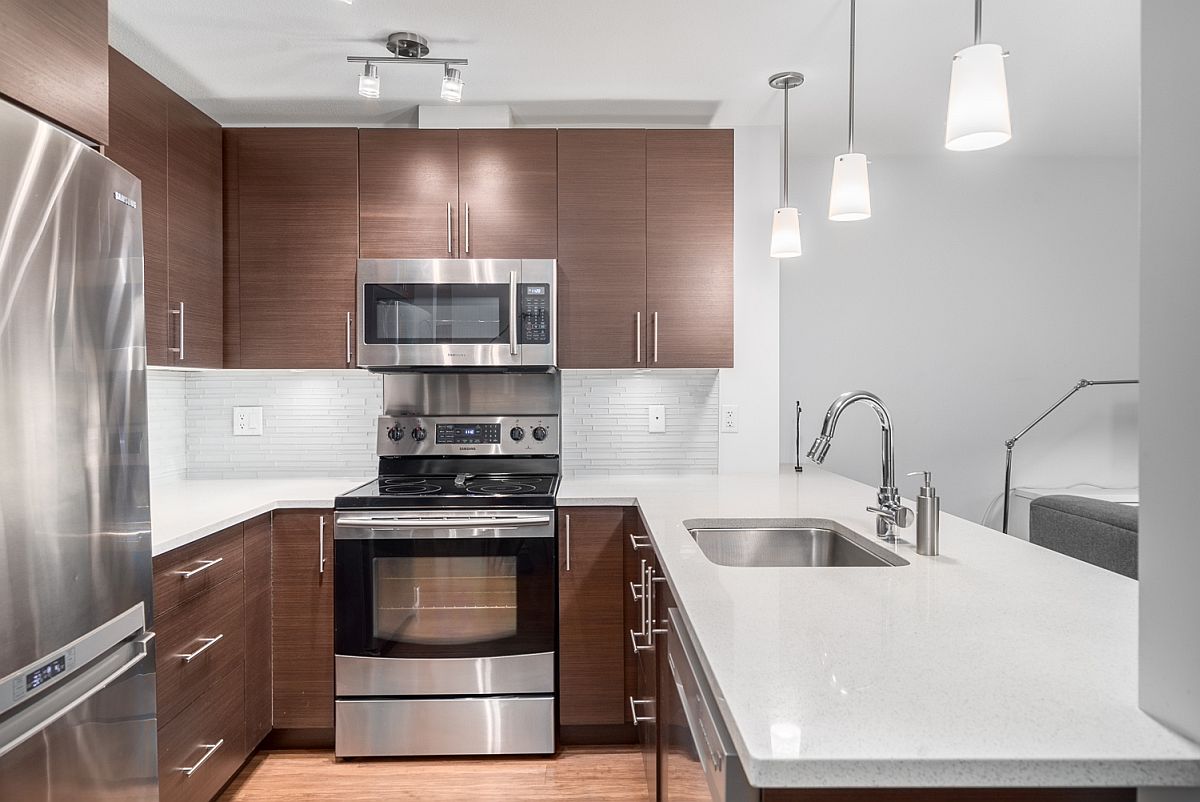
{"x":247,"y":421}
{"x":729,"y":418}
{"x":657,"y":418}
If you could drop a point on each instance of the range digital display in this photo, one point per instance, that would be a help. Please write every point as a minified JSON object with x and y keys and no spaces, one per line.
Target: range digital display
{"x":45,"y":673}
{"x":467,"y":433}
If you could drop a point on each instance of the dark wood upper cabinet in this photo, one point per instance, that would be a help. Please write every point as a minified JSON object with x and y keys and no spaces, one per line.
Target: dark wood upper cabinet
{"x":194,"y":234}
{"x":407,"y":193}
{"x":54,"y":60}
{"x":601,"y":248}
{"x":302,"y":618}
{"x":508,"y":187}
{"x":138,"y":142}
{"x":592,"y":638}
{"x":297,"y":245}
{"x":689,"y":248}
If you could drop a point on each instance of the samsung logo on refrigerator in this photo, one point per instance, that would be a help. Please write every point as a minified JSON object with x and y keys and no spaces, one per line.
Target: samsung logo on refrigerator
{"x":130,"y":202}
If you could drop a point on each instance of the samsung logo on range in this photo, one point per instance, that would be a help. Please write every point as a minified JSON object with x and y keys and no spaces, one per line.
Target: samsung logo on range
{"x":125,"y":200}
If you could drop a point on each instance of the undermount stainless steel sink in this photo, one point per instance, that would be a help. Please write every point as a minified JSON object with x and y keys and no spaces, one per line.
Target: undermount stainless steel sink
{"x":787,"y":543}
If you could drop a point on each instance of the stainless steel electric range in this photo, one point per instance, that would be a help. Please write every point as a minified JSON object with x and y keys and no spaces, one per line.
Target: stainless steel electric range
{"x":445,"y":572}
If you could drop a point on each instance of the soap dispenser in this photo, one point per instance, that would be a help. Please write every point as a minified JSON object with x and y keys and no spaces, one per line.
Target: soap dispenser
{"x":929,"y":508}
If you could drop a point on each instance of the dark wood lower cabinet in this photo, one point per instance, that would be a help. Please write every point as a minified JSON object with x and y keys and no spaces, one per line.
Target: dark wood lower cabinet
{"x":212,"y":725}
{"x":257,"y":602}
{"x":302,"y":619}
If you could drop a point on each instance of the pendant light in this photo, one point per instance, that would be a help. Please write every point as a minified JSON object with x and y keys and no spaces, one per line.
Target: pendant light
{"x":785,"y":226}
{"x":850,"y":191}
{"x":977,"y":115}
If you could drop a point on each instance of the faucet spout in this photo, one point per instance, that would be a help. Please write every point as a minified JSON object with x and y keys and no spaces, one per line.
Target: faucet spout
{"x":891,"y":512}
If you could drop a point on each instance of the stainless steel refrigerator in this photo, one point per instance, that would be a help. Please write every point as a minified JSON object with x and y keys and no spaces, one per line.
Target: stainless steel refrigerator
{"x":77,"y":717}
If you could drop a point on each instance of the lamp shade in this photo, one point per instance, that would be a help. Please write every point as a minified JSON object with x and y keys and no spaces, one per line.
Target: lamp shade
{"x":368,"y":82}
{"x":785,"y":233}
{"x":850,"y":192}
{"x":977,"y":115}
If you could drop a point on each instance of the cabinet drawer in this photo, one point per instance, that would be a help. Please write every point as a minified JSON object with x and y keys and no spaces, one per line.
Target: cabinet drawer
{"x":208,"y":739}
{"x":199,"y":641}
{"x":189,"y":570}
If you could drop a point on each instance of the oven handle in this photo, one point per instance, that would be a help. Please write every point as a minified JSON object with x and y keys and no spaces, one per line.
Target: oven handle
{"x":442,"y":523}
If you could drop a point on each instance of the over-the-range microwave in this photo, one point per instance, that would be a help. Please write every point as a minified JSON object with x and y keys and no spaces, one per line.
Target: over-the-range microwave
{"x":457,"y":313}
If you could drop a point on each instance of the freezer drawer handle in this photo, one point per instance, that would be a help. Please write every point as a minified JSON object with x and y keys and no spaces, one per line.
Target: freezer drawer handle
{"x":142,"y":645}
{"x":209,"y":750}
{"x":208,"y":643}
{"x":204,"y":566}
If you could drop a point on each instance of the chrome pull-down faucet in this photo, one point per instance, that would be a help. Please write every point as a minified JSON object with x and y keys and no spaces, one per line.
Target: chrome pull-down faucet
{"x":889,"y":513}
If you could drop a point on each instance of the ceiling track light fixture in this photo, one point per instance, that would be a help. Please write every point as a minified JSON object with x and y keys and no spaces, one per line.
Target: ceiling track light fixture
{"x":977,"y":114}
{"x":409,"y":48}
{"x":785,"y":225}
{"x":850,"y":190}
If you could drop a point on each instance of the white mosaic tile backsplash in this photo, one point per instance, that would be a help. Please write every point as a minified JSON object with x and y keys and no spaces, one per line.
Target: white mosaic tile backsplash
{"x":322,"y":423}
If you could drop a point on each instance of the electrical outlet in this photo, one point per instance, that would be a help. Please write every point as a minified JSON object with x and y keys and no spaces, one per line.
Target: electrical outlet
{"x":729,"y":418}
{"x":657,"y":418}
{"x":247,"y":421}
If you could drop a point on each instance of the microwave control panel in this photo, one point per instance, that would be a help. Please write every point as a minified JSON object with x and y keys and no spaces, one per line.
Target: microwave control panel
{"x":533,"y":306}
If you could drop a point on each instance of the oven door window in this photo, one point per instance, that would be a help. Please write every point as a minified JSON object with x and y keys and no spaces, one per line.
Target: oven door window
{"x":444,"y":598}
{"x":435,"y":314}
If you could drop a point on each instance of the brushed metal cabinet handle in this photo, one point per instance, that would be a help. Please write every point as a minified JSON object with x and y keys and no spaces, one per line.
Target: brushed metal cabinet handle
{"x":655,"y":316}
{"x":179,"y":350}
{"x":204,"y":566}
{"x":638,"y":647}
{"x":633,"y":703}
{"x":349,"y":339}
{"x":467,"y":228}
{"x":321,"y":547}
{"x":209,"y":750}
{"x":639,"y":541}
{"x":208,"y":643}
{"x":568,"y":522}
{"x":637,"y":321}
{"x":449,"y":229}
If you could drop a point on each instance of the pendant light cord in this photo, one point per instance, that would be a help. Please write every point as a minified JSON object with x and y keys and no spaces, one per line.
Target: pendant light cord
{"x":850,"y":137}
{"x":787,"y":90}
{"x":978,"y":20}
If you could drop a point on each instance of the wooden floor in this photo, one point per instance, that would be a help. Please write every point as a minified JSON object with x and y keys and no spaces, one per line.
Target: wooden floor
{"x":600,"y":774}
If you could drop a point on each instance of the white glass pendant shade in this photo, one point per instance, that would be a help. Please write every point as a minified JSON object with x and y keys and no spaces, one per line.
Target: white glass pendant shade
{"x":452,"y":86}
{"x":368,"y":82}
{"x":785,"y":233}
{"x":850,"y":192}
{"x":977,"y":116}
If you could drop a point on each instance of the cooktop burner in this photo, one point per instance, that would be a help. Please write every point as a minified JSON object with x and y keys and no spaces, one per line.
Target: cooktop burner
{"x":463,"y":489}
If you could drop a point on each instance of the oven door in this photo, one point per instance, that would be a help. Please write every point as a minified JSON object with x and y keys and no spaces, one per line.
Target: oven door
{"x":454,"y":602}
{"x":489,"y":313}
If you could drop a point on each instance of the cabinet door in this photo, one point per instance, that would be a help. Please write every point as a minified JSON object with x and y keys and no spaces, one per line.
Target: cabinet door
{"x":194,"y":235}
{"x":591,"y":641}
{"x":508,"y":187}
{"x":302,"y":618}
{"x":689,"y":248}
{"x":138,"y":142}
{"x":297,"y":246}
{"x":256,"y":547}
{"x":54,"y":59}
{"x":407,"y":193}
{"x":601,"y":248}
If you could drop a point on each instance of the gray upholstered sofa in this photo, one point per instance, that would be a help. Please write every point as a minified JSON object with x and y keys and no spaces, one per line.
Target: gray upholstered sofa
{"x":1102,"y":533}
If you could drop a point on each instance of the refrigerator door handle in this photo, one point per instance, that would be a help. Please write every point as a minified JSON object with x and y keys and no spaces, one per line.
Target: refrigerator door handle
{"x":141,"y":647}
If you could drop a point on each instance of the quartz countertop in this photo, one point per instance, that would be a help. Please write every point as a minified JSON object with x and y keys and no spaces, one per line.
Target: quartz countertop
{"x":997,"y":663}
{"x":184,"y":510}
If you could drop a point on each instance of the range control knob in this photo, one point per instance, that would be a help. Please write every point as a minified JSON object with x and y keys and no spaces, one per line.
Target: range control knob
{"x":540,"y":433}
{"x":418,"y":434}
{"x":517,"y":433}
{"x":395,"y":434}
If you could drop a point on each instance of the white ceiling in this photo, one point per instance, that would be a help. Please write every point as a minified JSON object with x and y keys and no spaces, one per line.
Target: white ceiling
{"x":1073,"y":74}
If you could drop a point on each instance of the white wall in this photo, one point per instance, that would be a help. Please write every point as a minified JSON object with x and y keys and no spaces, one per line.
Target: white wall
{"x":1168,"y":545}
{"x":982,"y":288}
{"x":753,"y":384}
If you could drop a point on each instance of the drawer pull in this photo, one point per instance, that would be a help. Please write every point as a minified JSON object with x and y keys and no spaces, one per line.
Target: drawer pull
{"x":208,"y":642}
{"x":209,"y":749}
{"x":639,"y":647}
{"x":636,"y":591}
{"x":204,"y":566}
{"x":639,"y":541}
{"x":633,"y":703}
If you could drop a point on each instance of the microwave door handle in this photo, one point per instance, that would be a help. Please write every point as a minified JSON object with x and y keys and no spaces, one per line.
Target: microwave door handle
{"x":512,"y":312}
